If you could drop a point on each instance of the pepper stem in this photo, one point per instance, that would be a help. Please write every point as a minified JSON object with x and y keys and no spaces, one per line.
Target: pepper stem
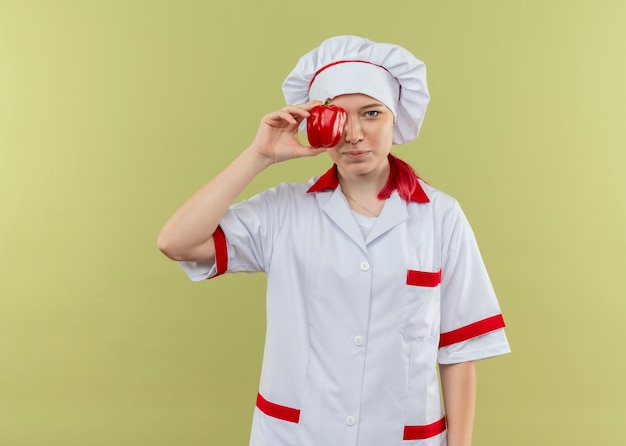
{"x":327,"y":101}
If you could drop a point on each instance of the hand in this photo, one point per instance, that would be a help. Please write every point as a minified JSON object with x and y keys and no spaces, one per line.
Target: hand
{"x":277,"y":137}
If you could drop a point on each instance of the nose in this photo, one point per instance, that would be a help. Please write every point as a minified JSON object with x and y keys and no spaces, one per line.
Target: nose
{"x":353,"y":133}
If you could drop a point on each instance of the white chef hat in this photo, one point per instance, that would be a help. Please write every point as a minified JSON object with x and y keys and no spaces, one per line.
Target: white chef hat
{"x":351,"y":64}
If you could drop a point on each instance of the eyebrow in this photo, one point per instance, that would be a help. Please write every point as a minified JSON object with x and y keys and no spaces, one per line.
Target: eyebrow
{"x":372,"y":105}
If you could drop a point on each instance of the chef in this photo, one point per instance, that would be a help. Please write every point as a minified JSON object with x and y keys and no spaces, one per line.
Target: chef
{"x":375,"y":282}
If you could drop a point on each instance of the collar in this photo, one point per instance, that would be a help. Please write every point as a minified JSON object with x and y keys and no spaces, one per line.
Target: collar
{"x":330,"y":180}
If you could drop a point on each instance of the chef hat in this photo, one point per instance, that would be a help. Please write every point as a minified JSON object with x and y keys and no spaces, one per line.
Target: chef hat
{"x":350,"y":64}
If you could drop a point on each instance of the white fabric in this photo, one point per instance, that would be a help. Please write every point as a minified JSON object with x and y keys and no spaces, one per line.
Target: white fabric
{"x":364,"y":222}
{"x":357,"y":77}
{"x":346,"y":336}
{"x":408,"y":71}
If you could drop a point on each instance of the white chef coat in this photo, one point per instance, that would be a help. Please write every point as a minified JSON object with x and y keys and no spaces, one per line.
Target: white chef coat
{"x":356,"y":325}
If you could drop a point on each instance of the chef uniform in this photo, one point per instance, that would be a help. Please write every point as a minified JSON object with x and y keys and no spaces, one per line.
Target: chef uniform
{"x":359,"y":310}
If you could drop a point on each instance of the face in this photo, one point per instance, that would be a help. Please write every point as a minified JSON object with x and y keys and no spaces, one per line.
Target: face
{"x":367,"y":138}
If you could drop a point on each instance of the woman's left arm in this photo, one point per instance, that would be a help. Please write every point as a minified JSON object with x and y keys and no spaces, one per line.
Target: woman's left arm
{"x":458,"y":384}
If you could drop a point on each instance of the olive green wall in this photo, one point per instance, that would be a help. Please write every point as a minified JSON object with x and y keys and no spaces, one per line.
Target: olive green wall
{"x":113,"y":112}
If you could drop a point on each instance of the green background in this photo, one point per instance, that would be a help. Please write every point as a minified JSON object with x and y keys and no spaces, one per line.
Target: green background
{"x":114,"y":112}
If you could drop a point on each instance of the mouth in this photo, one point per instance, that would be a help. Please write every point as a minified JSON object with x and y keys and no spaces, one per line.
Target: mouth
{"x":355,"y":154}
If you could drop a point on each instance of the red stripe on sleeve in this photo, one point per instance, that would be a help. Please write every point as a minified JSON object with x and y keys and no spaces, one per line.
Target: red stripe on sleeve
{"x":472,"y":330}
{"x":277,"y":411}
{"x":424,"y":432}
{"x":221,"y":251}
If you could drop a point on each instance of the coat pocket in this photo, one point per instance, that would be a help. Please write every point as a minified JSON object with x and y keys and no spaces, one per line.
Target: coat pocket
{"x":421,"y":311}
{"x":423,"y":278}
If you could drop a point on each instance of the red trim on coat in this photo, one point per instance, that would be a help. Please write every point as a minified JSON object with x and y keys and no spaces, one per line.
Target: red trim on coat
{"x":471,"y":331}
{"x":330,"y":180}
{"x":221,"y":251}
{"x":423,"y":278}
{"x":424,"y":432}
{"x":418,"y":195}
{"x":277,"y":411}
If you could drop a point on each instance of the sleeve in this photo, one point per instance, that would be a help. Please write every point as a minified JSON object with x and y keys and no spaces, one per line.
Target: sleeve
{"x":242,"y":240}
{"x":472,"y":326}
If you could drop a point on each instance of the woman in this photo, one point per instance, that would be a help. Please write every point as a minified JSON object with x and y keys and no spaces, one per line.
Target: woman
{"x":374,"y":277}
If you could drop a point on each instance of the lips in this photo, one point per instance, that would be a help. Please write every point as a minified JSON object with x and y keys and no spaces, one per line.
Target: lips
{"x":356,"y":154}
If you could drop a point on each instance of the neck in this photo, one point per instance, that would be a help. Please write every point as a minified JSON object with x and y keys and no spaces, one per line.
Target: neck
{"x":361,"y":191}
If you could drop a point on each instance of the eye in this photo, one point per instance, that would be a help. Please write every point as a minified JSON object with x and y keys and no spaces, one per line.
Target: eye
{"x":371,"y":113}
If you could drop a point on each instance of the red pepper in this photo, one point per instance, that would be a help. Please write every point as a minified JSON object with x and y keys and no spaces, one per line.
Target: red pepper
{"x":325,"y":125}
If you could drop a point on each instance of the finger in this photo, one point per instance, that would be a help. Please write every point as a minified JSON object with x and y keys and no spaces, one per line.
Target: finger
{"x":281,"y":115}
{"x":298,"y":111}
{"x":306,"y":107}
{"x":311,"y":151}
{"x":309,"y":105}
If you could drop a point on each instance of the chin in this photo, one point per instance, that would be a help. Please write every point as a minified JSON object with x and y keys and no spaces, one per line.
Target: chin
{"x":362,"y":168}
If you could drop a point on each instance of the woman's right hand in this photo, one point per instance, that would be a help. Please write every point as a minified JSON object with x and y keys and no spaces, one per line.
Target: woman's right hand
{"x":277,"y":137}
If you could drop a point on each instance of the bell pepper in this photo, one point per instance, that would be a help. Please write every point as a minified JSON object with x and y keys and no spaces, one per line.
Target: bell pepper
{"x":325,"y":125}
